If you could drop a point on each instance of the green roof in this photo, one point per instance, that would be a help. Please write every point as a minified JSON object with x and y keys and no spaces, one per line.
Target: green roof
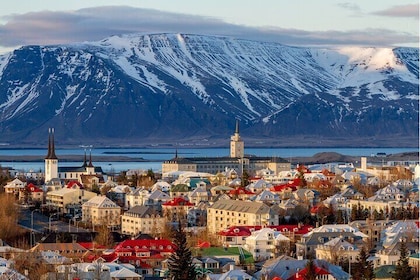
{"x":221,"y":251}
{"x":180,"y":188}
{"x":194,"y":181}
{"x":415,"y":256}
{"x":384,"y":271}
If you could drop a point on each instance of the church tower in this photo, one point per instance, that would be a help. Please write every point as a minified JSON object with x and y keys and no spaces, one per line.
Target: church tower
{"x":51,"y":160}
{"x":236,"y":144}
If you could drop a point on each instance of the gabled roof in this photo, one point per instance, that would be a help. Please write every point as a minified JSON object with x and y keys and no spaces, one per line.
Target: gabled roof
{"x":266,"y":195}
{"x":241,"y":191}
{"x":241,"y":206}
{"x":178,"y":201}
{"x":101,"y":202}
{"x":198,"y":192}
{"x":59,"y":247}
{"x":33,"y":189}
{"x":124,"y":273}
{"x":159,"y":195}
{"x":74,"y":184}
{"x":287,"y":268}
{"x":143,"y":210}
{"x":163,"y":245}
{"x":247,"y":230}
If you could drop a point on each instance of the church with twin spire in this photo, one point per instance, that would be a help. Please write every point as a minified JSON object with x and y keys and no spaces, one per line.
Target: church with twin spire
{"x":237,"y":160}
{"x":67,"y":173}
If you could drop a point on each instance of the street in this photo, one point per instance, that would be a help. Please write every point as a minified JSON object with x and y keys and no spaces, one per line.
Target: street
{"x":35,"y":220}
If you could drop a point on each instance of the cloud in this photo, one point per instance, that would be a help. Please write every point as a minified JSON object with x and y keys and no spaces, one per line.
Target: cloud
{"x":408,"y":11}
{"x":93,"y":24}
{"x":349,"y":6}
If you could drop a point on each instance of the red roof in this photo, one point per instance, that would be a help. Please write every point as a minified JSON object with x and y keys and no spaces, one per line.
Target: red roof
{"x":74,"y":184}
{"x":178,"y":201}
{"x":314,"y":210}
{"x":203,"y":244}
{"x":247,"y":230}
{"x":240,"y":191}
{"x":301,"y":274}
{"x":163,"y":245}
{"x":236,"y":231}
{"x":280,"y":188}
{"x":32,"y":188}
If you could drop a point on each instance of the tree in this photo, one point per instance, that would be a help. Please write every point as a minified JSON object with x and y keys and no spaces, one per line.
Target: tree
{"x":310,"y":270}
{"x":104,"y":236}
{"x":9,"y":228}
{"x":245,"y":179}
{"x":180,"y":262}
{"x":403,"y":270}
{"x":363,"y":269}
{"x":29,"y":263}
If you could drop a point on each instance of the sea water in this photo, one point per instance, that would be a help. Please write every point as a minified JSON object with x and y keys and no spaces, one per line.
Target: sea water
{"x":155,"y":156}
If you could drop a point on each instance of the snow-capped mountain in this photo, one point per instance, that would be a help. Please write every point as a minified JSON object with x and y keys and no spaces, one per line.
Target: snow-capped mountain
{"x":167,"y":88}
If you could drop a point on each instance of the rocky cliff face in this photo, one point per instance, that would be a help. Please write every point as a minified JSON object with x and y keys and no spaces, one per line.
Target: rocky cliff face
{"x":169,"y":88}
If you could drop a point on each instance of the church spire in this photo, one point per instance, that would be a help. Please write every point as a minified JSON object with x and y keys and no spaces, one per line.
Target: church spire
{"x":85,"y":160}
{"x":90,"y":158}
{"x":51,"y":145}
{"x":237,"y":127}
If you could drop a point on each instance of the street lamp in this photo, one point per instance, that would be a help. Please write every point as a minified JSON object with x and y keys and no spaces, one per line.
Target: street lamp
{"x":49,"y":221}
{"x":32,"y":225}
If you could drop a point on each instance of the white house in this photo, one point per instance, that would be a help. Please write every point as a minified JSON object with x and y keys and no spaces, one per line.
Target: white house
{"x":15,"y":186}
{"x":262,"y":244}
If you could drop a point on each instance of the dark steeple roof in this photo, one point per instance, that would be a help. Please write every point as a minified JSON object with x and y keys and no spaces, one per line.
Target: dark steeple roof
{"x":90,"y":159}
{"x":51,"y":145}
{"x":237,"y":126}
{"x":85,"y":161}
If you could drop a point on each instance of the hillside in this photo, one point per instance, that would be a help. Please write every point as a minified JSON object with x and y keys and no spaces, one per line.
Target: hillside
{"x":178,"y":88}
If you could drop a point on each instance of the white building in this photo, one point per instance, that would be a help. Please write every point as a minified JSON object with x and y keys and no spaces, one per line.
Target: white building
{"x":264,"y":243}
{"x":53,"y":171}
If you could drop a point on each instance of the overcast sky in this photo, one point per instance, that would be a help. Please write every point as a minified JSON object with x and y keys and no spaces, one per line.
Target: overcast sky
{"x":297,"y":22}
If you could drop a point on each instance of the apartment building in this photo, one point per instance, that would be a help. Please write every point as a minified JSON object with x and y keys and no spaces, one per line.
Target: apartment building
{"x":225,"y":213}
{"x":101,"y":210}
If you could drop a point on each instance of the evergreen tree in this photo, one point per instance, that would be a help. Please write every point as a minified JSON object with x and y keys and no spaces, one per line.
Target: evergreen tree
{"x":310,"y":270}
{"x":180,"y":262}
{"x":403,"y":271}
{"x":363,"y":269}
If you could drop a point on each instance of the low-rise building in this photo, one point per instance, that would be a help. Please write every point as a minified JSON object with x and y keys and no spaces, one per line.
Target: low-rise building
{"x":64,"y":199}
{"x":100,"y":210}
{"x":14,"y":186}
{"x":176,"y":209}
{"x":267,"y":243}
{"x":225,"y":213}
{"x":142,"y":219}
{"x":337,"y":250}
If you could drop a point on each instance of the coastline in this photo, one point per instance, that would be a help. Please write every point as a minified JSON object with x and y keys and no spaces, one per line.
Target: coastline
{"x":323,"y":157}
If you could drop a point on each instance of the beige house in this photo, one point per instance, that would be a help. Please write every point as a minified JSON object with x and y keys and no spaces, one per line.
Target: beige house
{"x":100,"y":210}
{"x":142,"y":219}
{"x":225,"y":213}
{"x":66,"y":198}
{"x":337,"y":249}
{"x":13,"y":187}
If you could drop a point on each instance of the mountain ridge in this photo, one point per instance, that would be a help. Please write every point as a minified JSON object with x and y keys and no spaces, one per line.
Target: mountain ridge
{"x":168,"y":88}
